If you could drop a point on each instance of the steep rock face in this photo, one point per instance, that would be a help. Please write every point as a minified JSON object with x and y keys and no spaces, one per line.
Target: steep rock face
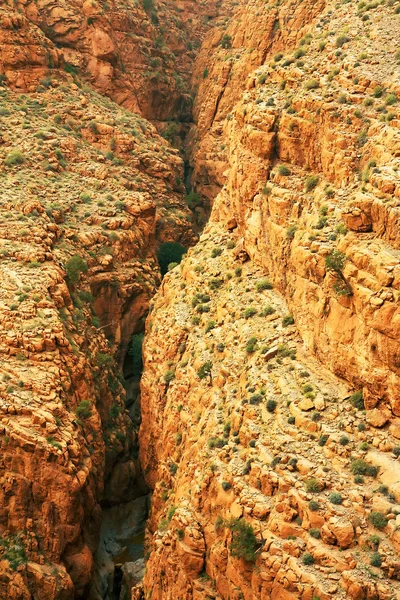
{"x":252,"y":447}
{"x":316,"y":111}
{"x":228,"y":55}
{"x":88,"y":192}
{"x":297,"y":129}
{"x":125,"y":49}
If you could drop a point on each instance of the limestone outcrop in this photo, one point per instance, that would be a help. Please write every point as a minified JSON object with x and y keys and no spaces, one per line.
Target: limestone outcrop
{"x":269,"y":478}
{"x":89,"y":192}
{"x":271,"y":383}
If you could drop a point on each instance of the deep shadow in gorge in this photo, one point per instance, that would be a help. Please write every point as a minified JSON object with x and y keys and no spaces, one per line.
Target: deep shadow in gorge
{"x":120,"y":556}
{"x":119,"y":560}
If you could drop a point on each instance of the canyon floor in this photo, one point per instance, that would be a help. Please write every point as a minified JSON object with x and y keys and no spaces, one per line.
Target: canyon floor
{"x":258,"y":452}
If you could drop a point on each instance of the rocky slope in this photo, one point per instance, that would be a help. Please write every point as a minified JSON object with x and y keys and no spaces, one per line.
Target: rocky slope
{"x":271,"y":406}
{"x":243,"y":428}
{"x":270,"y":478}
{"x":87,"y":195}
{"x":312,"y":152}
{"x":139,"y":54}
{"x":89,"y":191}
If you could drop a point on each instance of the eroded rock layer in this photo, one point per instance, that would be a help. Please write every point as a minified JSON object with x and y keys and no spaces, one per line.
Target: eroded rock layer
{"x":270,"y":481}
{"x":89,"y":191}
{"x":311,"y":164}
{"x":272,"y":437}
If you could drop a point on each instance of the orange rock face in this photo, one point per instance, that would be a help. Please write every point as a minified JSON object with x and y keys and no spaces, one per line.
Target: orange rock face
{"x":296,"y":146}
{"x":126,"y":52}
{"x":254,"y":450}
{"x":270,"y":396}
{"x":89,"y":192}
{"x":299,"y":110}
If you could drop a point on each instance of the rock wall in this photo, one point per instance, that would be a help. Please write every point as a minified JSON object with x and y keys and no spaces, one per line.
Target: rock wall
{"x":270,"y":389}
{"x":89,"y":191}
{"x":255,"y":451}
{"x":327,"y":113}
{"x":124,"y":49}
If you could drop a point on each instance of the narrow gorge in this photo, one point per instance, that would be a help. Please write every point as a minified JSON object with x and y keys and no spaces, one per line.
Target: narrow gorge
{"x":218,"y":181}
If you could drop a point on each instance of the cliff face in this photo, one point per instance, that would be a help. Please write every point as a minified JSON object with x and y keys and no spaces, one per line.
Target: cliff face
{"x":327,"y":111}
{"x":89,"y":191}
{"x":242,"y":427}
{"x":79,"y":228}
{"x":333,"y":122}
{"x":139,"y":54}
{"x":270,"y":479}
{"x":261,"y":457}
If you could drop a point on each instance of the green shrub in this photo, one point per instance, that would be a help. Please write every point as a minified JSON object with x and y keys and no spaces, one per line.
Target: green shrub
{"x":307,"y":558}
{"x":135,"y":352}
{"x":205,"y":370}
{"x":360,"y":467}
{"x":313,"y":505}
{"x":148,"y":5}
{"x":313,"y":486}
{"x":53,"y":442}
{"x":268,"y":310}
{"x":378,"y":520}
{"x":74,"y":267}
{"x":172,"y":467}
{"x":216,"y":252}
{"x":13,"y":551}
{"x":264,"y":284}
{"x":169,"y":376}
{"x":103,"y":359}
{"x":391,"y":99}
{"x":193,"y":200}
{"x":341,"y":40}
{"x":244,"y":542}
{"x":86,"y":198}
{"x":311,"y":84}
{"x":336,"y":498}
{"x":311,"y":182}
{"x":357,"y":400}
{"x":283,"y":170}
{"x":374,"y":539}
{"x":226,"y":486}
{"x":323,"y":439}
{"x":271,"y":406}
{"x":378,"y":91}
{"x":335,"y":261}
{"x":251,"y":345}
{"x":83,"y":410}
{"x":249,"y":312}
{"x":315,"y":533}
{"x":288,"y":320}
{"x":300,"y":52}
{"x":15,"y":157}
{"x":376,"y":559}
{"x":171,"y":132}
{"x":210,"y":325}
{"x":226,"y":41}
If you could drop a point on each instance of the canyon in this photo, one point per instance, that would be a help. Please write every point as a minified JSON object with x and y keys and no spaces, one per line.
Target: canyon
{"x":260,"y":458}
